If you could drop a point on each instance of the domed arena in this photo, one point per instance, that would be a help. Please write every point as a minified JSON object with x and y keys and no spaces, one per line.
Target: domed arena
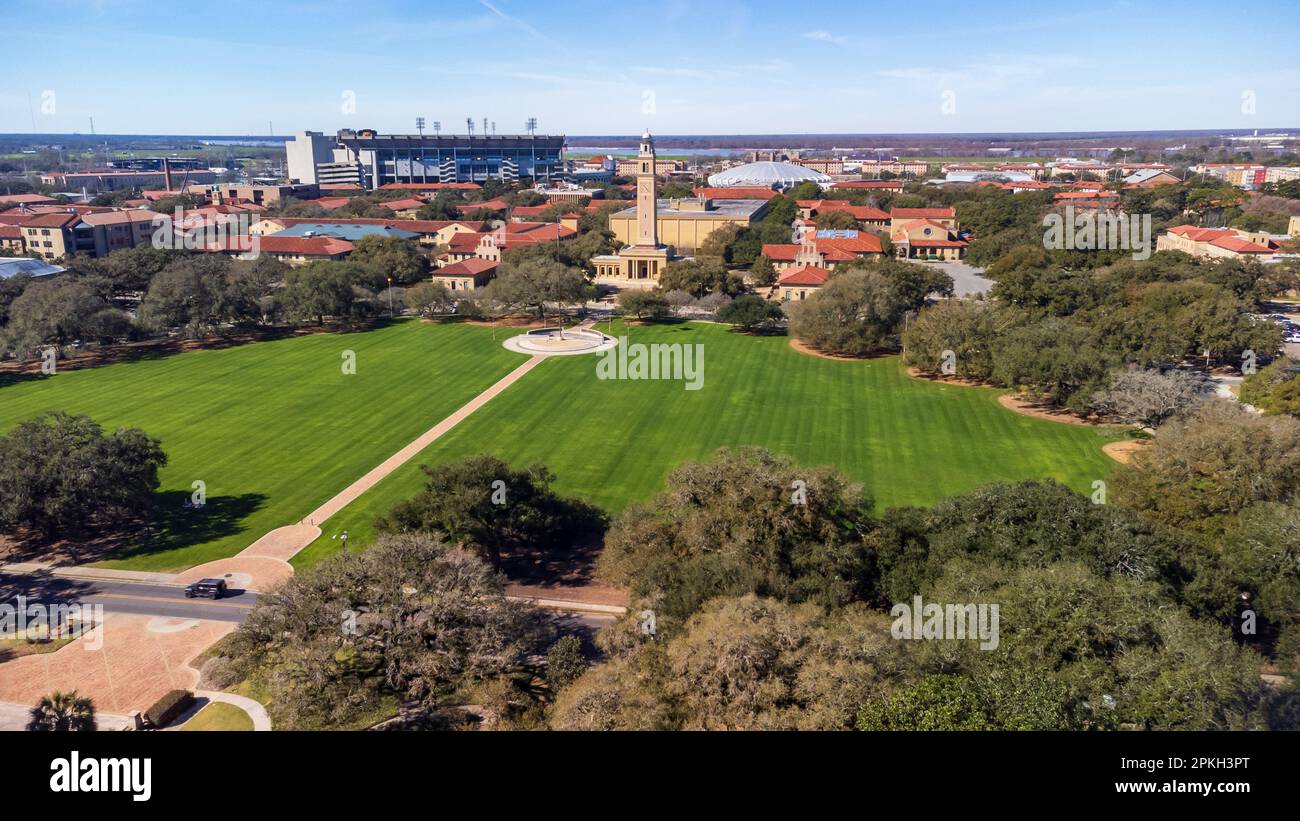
{"x":768,"y":175}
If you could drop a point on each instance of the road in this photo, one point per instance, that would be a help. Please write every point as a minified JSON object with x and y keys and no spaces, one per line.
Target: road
{"x":170,"y":601}
{"x":125,"y":597}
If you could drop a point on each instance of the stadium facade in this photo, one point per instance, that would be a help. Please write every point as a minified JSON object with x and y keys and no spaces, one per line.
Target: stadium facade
{"x":381,"y":159}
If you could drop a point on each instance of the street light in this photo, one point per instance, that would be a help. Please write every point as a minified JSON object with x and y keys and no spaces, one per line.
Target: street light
{"x":390,"y":297}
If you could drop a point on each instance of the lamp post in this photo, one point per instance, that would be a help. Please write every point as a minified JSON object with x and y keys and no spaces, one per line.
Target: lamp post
{"x":390,"y":297}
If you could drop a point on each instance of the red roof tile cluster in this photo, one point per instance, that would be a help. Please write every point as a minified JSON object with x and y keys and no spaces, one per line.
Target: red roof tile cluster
{"x":418,"y":226}
{"x":858,"y":212}
{"x":868,"y":184}
{"x":289,"y":246}
{"x":407,"y":204}
{"x":26,"y":199}
{"x":1224,"y":238}
{"x":473,"y":266}
{"x":807,"y":275}
{"x":465,"y":242}
{"x":497,"y":204}
{"x":922,"y":213}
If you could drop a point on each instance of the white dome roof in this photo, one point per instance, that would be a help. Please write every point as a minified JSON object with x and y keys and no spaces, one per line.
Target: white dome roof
{"x":767,"y":174}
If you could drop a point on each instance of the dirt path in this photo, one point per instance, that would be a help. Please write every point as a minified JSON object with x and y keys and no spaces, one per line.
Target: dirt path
{"x":1039,"y":411}
{"x":804,"y":348}
{"x":1123,"y":452}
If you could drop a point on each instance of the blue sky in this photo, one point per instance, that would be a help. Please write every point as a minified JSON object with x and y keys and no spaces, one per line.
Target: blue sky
{"x":674,"y":66}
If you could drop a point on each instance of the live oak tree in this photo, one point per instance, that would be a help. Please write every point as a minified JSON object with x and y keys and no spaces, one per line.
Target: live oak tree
{"x":532,"y":283}
{"x":409,"y":621}
{"x":750,"y":313}
{"x":1210,"y":466}
{"x":854,"y":313}
{"x":56,"y":313}
{"x":61,"y":477}
{"x":744,"y":521}
{"x":482,"y":504}
{"x":430,"y":298}
{"x":391,"y":257}
{"x":966,"y":328}
{"x":740,"y":663}
{"x":643,"y":304}
{"x":699,"y":276}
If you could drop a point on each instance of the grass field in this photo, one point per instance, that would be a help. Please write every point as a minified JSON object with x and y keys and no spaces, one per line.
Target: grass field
{"x":910,"y":442}
{"x":219,"y":716}
{"x":273,"y":428}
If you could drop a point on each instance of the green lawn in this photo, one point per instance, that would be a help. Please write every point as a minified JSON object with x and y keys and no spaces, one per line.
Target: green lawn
{"x":219,"y":716}
{"x":910,"y":442}
{"x":273,"y":428}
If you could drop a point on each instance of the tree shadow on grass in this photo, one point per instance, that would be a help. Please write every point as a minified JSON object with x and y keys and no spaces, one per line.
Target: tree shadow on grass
{"x":175,"y":525}
{"x":571,"y":564}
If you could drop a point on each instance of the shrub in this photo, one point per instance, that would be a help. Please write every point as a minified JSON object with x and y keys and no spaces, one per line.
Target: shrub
{"x":564,"y":662}
{"x":167,"y":708}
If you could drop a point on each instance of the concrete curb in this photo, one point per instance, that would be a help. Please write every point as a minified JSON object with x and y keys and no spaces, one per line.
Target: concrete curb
{"x":572,"y":606}
{"x":94,"y":573}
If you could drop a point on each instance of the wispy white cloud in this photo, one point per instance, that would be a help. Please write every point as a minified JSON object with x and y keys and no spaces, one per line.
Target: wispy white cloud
{"x":825,"y":37}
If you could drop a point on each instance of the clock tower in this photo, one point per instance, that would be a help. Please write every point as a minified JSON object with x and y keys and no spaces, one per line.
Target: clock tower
{"x":647,"y":203}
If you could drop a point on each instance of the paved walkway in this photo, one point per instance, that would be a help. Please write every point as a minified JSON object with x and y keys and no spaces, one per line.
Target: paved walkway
{"x":126,"y":663}
{"x":202,"y":698}
{"x":264,"y":563}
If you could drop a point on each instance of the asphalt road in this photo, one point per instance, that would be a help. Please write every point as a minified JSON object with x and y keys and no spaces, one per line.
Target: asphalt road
{"x":166,"y":600}
{"x":124,"y":597}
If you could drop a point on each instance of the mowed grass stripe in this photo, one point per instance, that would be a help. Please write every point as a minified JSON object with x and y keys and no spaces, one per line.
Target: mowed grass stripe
{"x":274,"y":428}
{"x":612,"y":442}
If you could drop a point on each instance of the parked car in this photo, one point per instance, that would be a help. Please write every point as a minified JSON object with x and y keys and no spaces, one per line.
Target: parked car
{"x":206,"y":589}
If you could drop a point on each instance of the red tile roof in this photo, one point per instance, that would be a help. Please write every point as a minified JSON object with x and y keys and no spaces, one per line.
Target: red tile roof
{"x":474,"y":266}
{"x":1224,"y":238}
{"x":810,"y":275}
{"x":25,"y":199}
{"x":922,"y":213}
{"x":497,"y":204}
{"x":408,"y":204}
{"x":418,"y":226}
{"x":868,"y":184}
{"x":465,"y":242}
{"x":858,"y":212}
{"x":290,"y":246}
{"x":55,"y":220}
{"x":119,"y":217}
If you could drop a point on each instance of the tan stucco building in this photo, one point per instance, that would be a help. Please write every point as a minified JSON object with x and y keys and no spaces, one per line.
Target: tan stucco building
{"x":685,"y":223}
{"x":1217,"y":242}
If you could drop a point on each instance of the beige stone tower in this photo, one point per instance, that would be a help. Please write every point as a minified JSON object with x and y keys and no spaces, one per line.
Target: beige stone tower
{"x":647,"y":203}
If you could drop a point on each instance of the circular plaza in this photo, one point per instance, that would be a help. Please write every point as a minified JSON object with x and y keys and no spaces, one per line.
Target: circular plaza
{"x":560,"y":342}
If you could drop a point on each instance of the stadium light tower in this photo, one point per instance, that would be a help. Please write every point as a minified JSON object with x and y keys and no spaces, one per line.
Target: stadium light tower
{"x":437,"y":127}
{"x":419,"y":125}
{"x":469,"y":123}
{"x":530,"y":125}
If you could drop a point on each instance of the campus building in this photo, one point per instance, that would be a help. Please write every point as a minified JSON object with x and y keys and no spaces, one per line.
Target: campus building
{"x":643,"y":258}
{"x":685,"y":223}
{"x":381,"y":159}
{"x":1218,"y":242}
